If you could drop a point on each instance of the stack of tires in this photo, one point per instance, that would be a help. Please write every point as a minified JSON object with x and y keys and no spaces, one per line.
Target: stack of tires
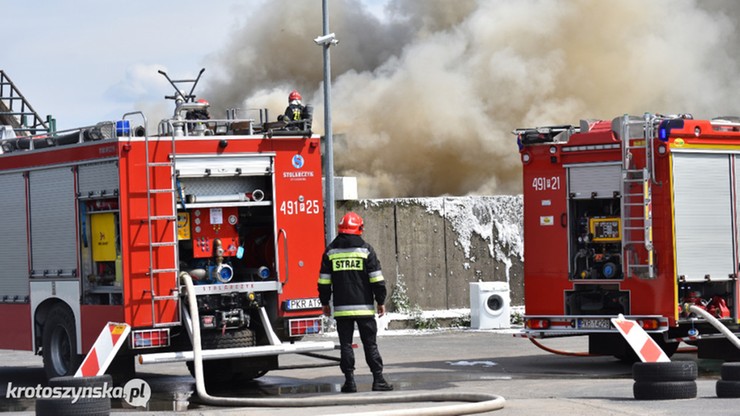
{"x":87,"y":406}
{"x":665,"y":380}
{"x":729,"y":385}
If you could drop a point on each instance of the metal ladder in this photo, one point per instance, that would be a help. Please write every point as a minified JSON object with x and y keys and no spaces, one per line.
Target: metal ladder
{"x":15,"y":110}
{"x":166,"y":240}
{"x":636,"y":202}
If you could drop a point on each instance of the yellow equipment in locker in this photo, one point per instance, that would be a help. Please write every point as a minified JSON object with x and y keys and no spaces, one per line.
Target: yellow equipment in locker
{"x":103,"y":230}
{"x":605,"y":229}
{"x":183,"y":226}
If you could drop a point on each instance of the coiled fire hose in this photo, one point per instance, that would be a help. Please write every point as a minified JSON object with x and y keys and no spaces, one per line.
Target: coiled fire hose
{"x":475,"y":402}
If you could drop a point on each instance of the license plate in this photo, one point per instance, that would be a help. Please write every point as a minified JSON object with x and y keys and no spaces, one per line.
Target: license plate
{"x":303,"y":304}
{"x":585,"y":323}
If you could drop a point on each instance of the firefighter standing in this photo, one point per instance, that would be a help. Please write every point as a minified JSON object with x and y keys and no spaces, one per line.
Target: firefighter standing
{"x":350,"y":270}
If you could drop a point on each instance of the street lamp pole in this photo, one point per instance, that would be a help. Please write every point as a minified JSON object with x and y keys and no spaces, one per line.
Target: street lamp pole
{"x":326,"y":40}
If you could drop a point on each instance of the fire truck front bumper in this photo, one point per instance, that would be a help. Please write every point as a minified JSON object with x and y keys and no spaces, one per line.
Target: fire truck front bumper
{"x":550,"y":326}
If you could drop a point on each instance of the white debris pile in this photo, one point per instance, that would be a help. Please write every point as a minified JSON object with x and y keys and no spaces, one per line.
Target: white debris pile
{"x":496,"y":219}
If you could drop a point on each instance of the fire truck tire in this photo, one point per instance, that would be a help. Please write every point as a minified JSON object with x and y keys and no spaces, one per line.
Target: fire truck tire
{"x":84,"y":406}
{"x":59,"y":343}
{"x":223,"y":371}
{"x":665,"y":371}
{"x":664,"y":390}
{"x":728,"y":388}
{"x":730,"y":371}
{"x":212,"y":340}
{"x":226,"y":371}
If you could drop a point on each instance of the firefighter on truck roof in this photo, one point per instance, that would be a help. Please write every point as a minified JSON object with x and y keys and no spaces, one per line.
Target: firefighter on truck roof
{"x":350,"y":270}
{"x":295,"y":109}
{"x":297,"y":115}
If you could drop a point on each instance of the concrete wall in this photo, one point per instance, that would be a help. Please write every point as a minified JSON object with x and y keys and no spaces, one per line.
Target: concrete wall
{"x":437,"y":246}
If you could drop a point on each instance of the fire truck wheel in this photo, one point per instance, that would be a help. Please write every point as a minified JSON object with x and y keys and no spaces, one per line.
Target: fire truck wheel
{"x":84,"y":406}
{"x":226,"y":371}
{"x":728,"y":388}
{"x":730,"y":371}
{"x":664,"y":390}
{"x":223,"y":371}
{"x":212,"y":340}
{"x":665,"y":371}
{"x":59,"y":343}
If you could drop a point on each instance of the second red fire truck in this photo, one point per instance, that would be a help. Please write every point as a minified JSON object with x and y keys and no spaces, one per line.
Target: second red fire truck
{"x":635,"y":216}
{"x":101,"y":221}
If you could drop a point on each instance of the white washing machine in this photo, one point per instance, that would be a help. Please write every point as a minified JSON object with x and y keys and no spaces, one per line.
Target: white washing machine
{"x":489,"y":305}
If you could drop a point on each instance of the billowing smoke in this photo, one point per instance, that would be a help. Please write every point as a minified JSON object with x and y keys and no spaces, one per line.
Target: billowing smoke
{"x":424,"y":100}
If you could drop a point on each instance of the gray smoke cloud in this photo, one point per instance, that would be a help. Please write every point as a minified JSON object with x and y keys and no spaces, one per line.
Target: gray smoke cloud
{"x":426,"y":98}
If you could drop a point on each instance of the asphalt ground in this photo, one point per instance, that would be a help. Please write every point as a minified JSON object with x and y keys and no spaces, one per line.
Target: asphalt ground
{"x":532,"y":381}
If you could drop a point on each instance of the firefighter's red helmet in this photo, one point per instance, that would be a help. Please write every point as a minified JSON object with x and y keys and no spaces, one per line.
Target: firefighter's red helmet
{"x":294,"y":95}
{"x":351,"y":223}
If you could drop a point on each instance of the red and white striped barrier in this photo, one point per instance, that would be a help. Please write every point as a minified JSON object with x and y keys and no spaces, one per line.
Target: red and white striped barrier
{"x":104,"y":350}
{"x":646,"y":348}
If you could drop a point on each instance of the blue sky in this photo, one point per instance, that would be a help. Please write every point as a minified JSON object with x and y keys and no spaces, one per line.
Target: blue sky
{"x":85,"y":61}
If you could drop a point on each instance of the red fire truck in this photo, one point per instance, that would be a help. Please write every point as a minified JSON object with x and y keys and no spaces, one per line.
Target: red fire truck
{"x":101,"y":221}
{"x":635,"y":216}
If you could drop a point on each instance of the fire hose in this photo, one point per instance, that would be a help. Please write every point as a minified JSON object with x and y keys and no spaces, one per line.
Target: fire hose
{"x":717,"y":324}
{"x":475,"y":402}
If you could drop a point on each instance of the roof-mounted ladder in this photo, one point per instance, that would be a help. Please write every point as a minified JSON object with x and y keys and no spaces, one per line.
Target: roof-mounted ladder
{"x":15,"y":111}
{"x":638,"y":176}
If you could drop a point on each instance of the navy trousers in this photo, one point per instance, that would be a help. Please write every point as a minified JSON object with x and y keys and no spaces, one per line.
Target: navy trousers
{"x":368,"y":330}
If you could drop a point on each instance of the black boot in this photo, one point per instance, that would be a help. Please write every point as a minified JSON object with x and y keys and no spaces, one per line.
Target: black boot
{"x":349,"y":385}
{"x":379,"y":383}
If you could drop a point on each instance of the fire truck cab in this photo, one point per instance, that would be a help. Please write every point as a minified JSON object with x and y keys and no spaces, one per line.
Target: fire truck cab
{"x":102,"y":221}
{"x":635,"y":216}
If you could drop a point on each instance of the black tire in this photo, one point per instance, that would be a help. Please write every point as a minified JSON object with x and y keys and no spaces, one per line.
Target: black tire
{"x":87,"y":406}
{"x":64,"y":407}
{"x":664,"y":390}
{"x":728,"y":388}
{"x":59,"y":343}
{"x":730,"y":371}
{"x":71,"y":381}
{"x":227,"y":370}
{"x":214,"y":340}
{"x":666,"y":371}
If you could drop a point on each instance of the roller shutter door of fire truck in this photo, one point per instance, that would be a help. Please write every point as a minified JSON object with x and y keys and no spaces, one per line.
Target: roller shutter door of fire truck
{"x":223,"y":176}
{"x":53,"y":224}
{"x":98,"y":179}
{"x":703,"y":216}
{"x":13,"y":248}
{"x":601,"y":179}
